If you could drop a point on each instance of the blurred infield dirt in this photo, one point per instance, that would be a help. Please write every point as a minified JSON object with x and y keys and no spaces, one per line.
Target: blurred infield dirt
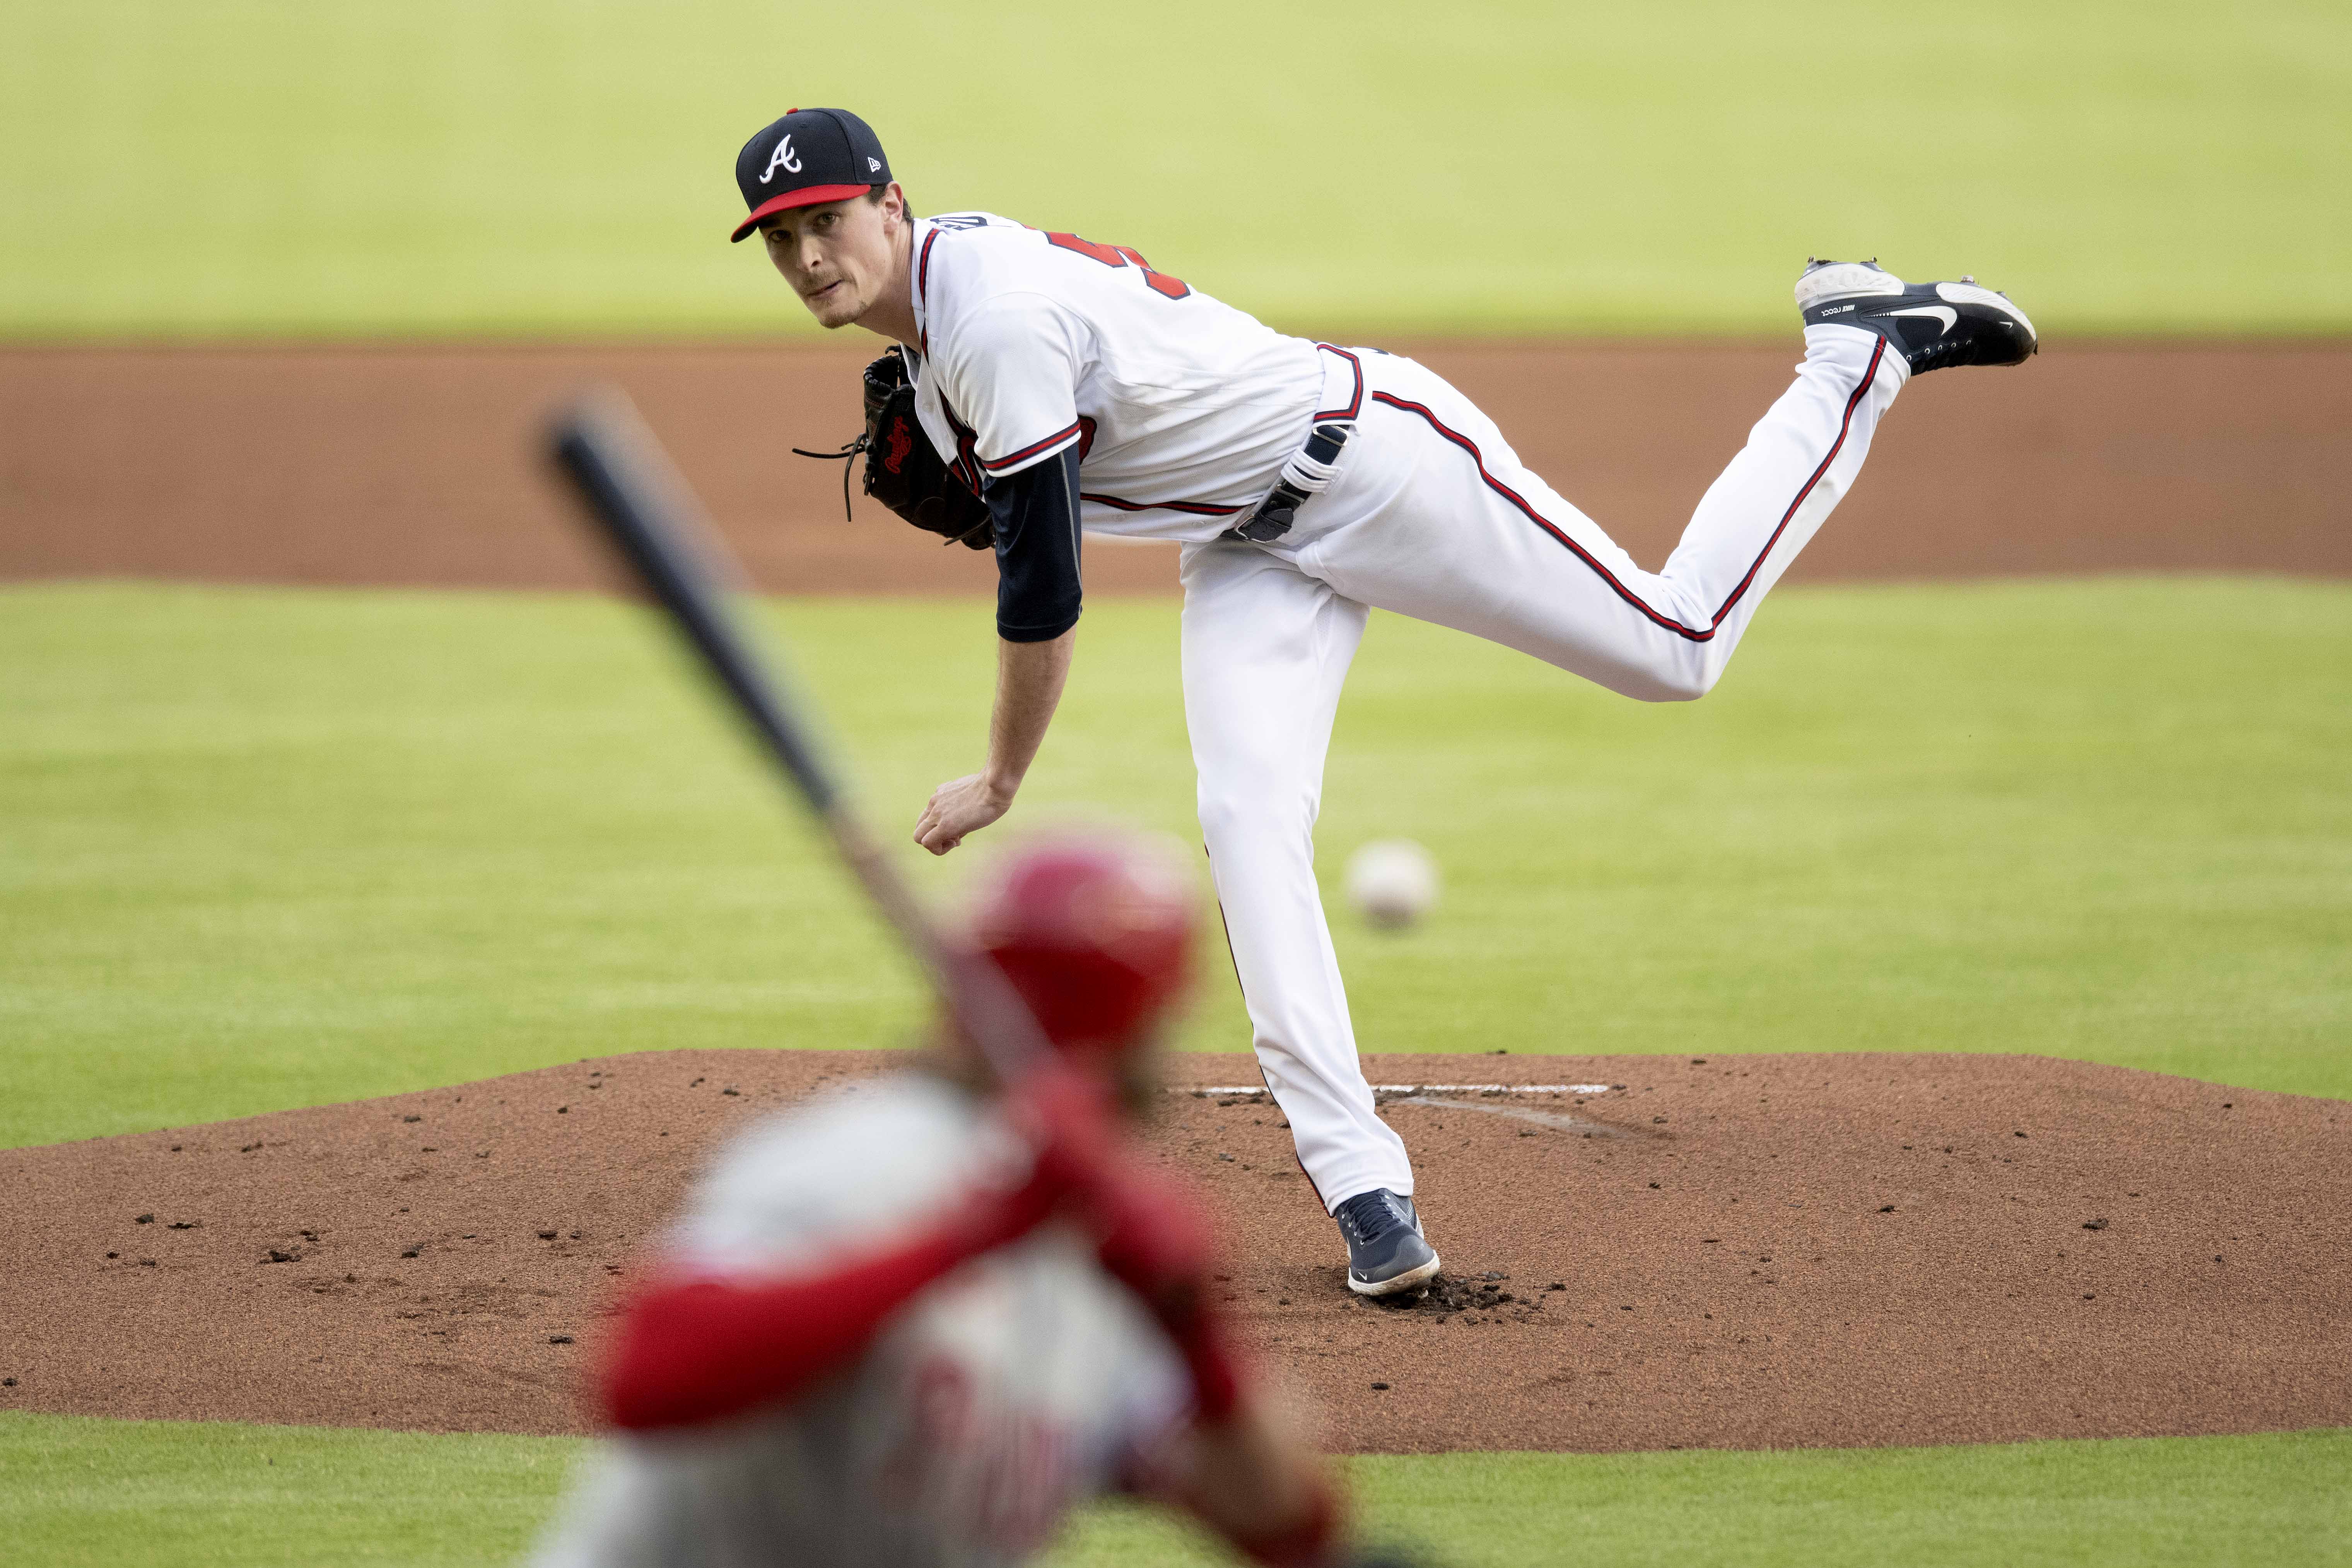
{"x":1749,"y":1252}
{"x":419,"y":465}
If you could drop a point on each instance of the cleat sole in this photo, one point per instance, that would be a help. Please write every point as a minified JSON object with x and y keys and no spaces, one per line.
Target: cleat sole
{"x":1410,"y":1280}
{"x":1842,"y":279}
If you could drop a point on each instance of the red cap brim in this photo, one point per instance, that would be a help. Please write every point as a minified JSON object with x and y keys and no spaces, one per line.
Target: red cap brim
{"x":806,"y":196}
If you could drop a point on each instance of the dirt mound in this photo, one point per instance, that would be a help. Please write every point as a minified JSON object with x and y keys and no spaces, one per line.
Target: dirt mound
{"x":1749,"y":1252}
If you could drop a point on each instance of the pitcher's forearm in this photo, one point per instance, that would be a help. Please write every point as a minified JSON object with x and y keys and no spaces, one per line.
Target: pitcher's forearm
{"x":1029,"y":681}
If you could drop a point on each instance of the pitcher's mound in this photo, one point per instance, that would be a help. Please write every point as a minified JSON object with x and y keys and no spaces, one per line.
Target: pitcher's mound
{"x":1641,"y":1252}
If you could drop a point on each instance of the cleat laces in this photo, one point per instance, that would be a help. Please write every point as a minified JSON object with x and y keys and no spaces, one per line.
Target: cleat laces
{"x":1368,"y":1216}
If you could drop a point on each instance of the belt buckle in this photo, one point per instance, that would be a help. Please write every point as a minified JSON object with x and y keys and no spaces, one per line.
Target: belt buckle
{"x":1270,"y":522}
{"x":1271,"y":519}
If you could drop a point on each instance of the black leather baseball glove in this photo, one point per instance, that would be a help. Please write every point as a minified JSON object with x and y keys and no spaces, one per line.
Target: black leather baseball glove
{"x":903,"y":470}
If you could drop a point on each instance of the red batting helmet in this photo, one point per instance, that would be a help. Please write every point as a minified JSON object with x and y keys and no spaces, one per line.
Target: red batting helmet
{"x":1093,"y":931}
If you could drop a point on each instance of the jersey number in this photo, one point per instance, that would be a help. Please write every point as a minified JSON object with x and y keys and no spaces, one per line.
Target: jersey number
{"x":1121,"y":256}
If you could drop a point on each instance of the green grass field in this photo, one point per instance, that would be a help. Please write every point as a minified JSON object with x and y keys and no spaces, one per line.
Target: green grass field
{"x":270,"y":848}
{"x":77,"y":1491}
{"x":440,"y":166}
{"x":273,"y":847}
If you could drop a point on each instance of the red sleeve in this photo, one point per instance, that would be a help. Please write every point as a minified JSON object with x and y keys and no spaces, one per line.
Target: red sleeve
{"x":1155,"y":1238}
{"x":698,"y":1349}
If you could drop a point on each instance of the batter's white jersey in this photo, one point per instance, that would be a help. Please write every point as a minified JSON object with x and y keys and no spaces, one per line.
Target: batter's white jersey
{"x":1182,"y":407}
{"x":1022,"y":1383}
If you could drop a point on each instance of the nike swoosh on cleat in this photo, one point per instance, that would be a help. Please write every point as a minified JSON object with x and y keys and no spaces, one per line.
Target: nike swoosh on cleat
{"x":1950,"y":317}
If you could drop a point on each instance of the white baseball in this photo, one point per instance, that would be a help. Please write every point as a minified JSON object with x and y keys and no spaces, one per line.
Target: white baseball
{"x":1391,"y":881}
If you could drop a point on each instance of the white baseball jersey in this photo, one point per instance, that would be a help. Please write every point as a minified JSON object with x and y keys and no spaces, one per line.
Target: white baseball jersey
{"x":1184,"y":408}
{"x":1022,"y":1383}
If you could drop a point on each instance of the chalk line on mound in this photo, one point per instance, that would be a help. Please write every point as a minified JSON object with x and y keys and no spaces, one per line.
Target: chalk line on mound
{"x":1259,"y":1090}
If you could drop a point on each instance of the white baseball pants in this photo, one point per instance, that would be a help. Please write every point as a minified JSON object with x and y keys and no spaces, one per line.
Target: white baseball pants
{"x":1432,"y":516}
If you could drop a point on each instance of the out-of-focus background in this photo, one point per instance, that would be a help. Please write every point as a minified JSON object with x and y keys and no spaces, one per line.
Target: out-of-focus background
{"x":327,"y":768}
{"x":440,"y":168}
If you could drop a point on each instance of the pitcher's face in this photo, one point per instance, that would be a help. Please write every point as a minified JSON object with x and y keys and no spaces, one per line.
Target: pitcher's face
{"x":837,"y":256}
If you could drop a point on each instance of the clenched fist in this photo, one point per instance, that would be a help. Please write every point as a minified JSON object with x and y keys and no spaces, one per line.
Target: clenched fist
{"x":959,"y":807}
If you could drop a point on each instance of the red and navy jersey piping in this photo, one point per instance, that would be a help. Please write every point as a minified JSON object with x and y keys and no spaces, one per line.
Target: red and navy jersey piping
{"x":1060,"y":436}
{"x":1211,"y":509}
{"x":966,"y":465}
{"x":1356,"y":404}
{"x":923,"y":286}
{"x":1845,"y":426}
{"x":1658,"y":617}
{"x":1197,"y":508}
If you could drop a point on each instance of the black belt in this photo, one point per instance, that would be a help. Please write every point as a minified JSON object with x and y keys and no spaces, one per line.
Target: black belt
{"x":1271,"y":518}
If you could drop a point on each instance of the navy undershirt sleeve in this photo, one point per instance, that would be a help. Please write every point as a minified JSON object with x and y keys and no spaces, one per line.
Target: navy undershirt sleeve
{"x":1037,"y":519}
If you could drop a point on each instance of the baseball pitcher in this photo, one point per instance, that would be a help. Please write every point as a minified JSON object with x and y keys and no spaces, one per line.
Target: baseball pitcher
{"x":913,"y":1322}
{"x":1044,"y":384}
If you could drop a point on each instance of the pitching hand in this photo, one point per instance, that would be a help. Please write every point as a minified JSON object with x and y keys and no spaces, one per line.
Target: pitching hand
{"x":959,"y":807}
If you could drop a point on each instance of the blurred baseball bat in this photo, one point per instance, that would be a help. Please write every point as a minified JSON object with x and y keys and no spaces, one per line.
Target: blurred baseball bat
{"x":646,"y":511}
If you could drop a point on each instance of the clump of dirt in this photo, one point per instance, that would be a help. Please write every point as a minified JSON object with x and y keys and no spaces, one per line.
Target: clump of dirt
{"x":1651,"y":1253}
{"x":1450,"y":1293}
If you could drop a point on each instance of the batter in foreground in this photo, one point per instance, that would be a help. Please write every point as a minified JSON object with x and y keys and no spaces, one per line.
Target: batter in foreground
{"x":1043,"y":384}
{"x":913,"y":1322}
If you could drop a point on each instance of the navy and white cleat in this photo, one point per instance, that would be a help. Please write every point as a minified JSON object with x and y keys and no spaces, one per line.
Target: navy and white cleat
{"x":1386,"y":1253}
{"x":1935,"y":325}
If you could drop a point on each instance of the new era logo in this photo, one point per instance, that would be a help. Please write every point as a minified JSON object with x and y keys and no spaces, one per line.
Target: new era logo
{"x":874,"y":165}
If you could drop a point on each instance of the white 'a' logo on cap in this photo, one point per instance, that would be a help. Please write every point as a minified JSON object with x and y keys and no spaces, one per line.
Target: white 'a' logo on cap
{"x":781,"y":158}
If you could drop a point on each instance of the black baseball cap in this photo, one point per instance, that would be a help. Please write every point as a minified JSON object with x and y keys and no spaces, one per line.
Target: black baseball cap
{"x":808,"y":157}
